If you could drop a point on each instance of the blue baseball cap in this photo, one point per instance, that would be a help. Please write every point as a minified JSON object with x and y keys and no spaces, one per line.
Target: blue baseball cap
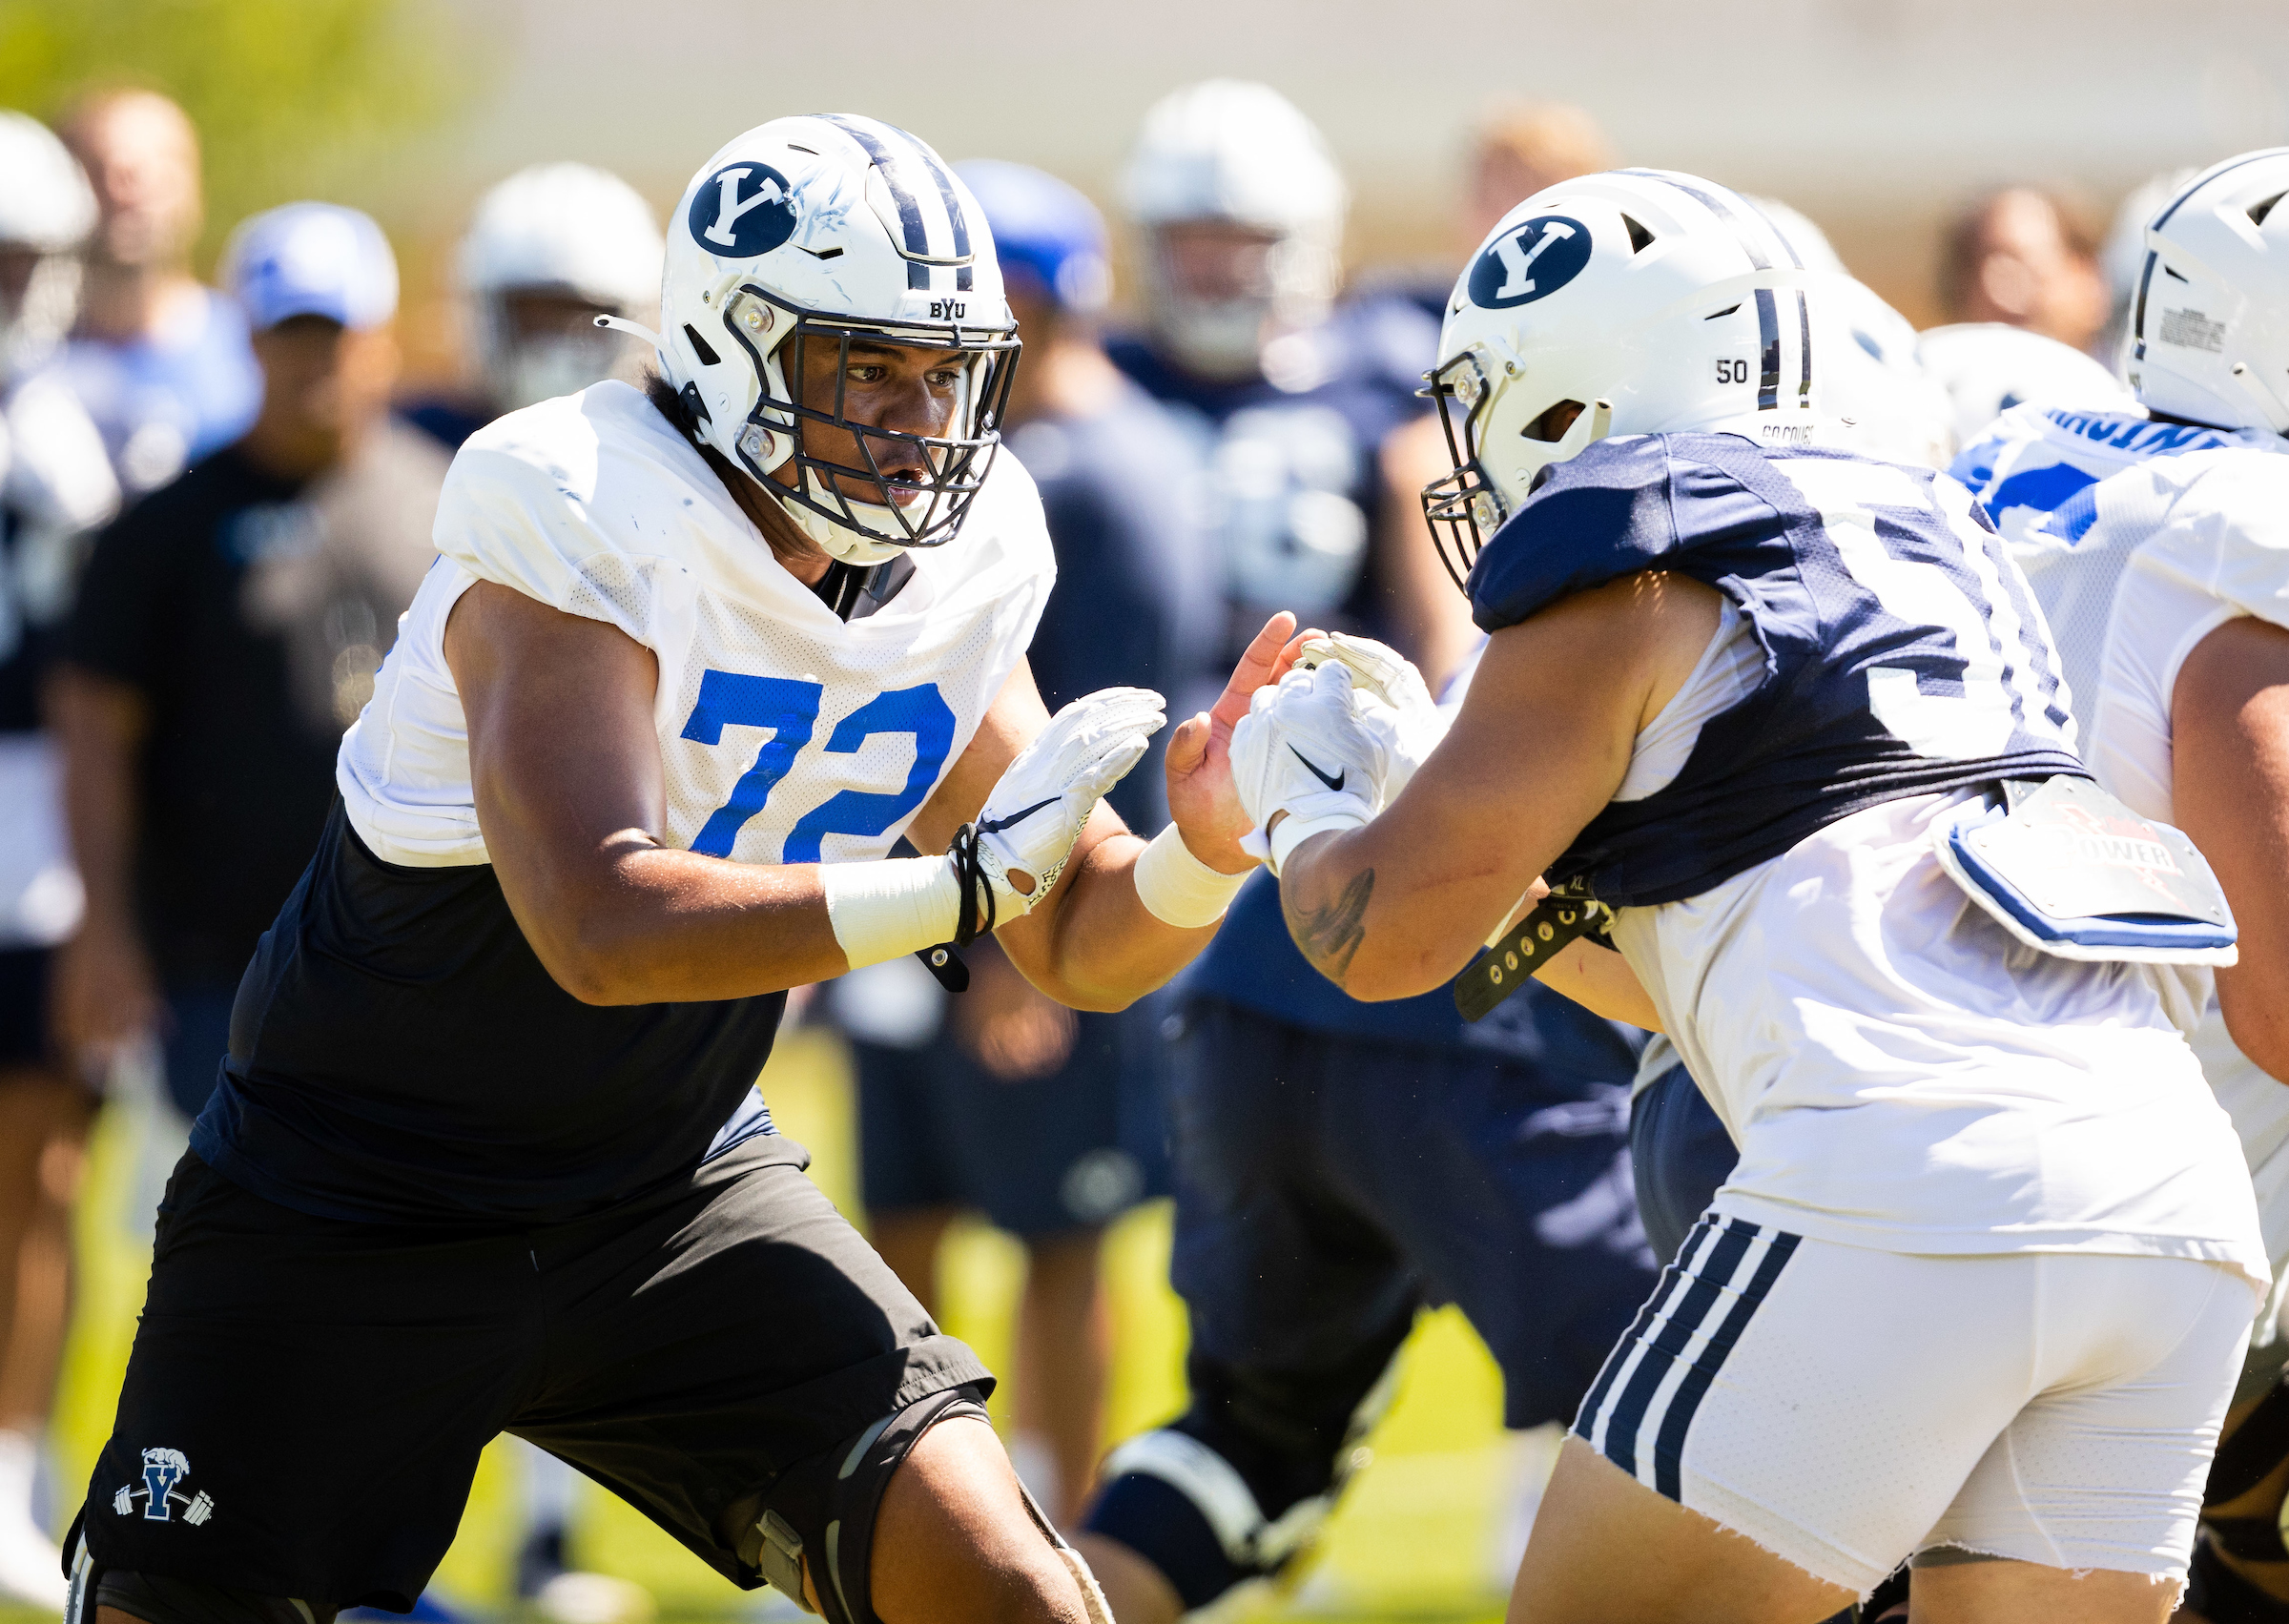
{"x":312,"y":260}
{"x":1049,"y":238}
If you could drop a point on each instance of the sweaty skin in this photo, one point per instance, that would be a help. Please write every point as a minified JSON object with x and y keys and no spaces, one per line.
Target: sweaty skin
{"x":1542,"y":741}
{"x":2229,"y":751}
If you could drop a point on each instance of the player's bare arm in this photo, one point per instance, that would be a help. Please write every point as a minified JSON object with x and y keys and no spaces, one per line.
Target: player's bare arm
{"x":2229,"y":731}
{"x":1542,"y":741}
{"x":1094,"y":944}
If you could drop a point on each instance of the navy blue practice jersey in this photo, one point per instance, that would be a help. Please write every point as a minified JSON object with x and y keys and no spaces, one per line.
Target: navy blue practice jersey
{"x":1902,"y":651}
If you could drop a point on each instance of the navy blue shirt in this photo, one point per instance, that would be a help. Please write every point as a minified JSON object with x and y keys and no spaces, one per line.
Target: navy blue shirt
{"x":1137,"y":598}
{"x":1904,"y":654}
{"x":1275,"y":463}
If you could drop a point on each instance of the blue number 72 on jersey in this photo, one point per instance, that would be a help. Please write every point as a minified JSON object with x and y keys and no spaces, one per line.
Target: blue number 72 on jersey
{"x":790,"y":710}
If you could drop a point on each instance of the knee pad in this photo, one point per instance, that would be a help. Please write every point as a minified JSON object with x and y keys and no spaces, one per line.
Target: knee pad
{"x":824,"y":1509}
{"x":157,"y":1599}
{"x":1239,"y":1487}
{"x":2245,"y":1457}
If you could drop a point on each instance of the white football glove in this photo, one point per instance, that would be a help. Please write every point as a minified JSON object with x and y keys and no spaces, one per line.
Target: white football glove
{"x":1405,"y":717}
{"x":1304,"y":749}
{"x":1029,"y":823}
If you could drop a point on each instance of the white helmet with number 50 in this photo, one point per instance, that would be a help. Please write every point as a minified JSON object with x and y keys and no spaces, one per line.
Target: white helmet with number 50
{"x":838,"y":231}
{"x":2209,"y":327}
{"x":1629,"y":302}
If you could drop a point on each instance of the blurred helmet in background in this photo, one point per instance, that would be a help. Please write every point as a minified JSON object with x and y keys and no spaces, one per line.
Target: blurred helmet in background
{"x":1987,"y":367}
{"x":2122,"y":256}
{"x":45,"y":212}
{"x":1048,"y":238}
{"x":1811,"y":244}
{"x":1643,"y":300}
{"x":833,"y":230}
{"x":548,"y":249}
{"x":1874,"y":387}
{"x":1240,"y":208}
{"x":2209,"y":328}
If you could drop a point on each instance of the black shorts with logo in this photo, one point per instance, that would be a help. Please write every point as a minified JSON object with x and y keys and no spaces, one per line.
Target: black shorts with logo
{"x":307,"y":1397}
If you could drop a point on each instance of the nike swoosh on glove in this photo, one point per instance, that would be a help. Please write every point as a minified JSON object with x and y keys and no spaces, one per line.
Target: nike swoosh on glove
{"x":1405,"y":718}
{"x":1035,"y":813}
{"x":1304,"y":749}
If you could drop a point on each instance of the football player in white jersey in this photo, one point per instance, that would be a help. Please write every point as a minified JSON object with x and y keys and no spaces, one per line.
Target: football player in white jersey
{"x":690,"y":661}
{"x":2163,"y":565}
{"x":1780,"y":708}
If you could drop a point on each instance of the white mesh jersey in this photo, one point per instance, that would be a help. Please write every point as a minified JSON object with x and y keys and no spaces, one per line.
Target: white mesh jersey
{"x":2206,"y":540}
{"x":1902,"y":1075}
{"x":788,"y":734}
{"x":2042,"y":473}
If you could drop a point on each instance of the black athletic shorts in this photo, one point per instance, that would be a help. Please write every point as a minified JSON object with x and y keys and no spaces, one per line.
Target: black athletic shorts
{"x":307,"y":1397}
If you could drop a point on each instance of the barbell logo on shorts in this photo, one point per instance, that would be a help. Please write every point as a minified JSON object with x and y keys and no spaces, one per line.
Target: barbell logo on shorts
{"x":161,"y":1491}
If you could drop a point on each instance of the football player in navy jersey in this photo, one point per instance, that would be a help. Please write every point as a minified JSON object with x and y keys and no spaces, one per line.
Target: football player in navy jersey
{"x":1758,"y":699}
{"x":1338,"y":1164}
{"x":486,"y":1154}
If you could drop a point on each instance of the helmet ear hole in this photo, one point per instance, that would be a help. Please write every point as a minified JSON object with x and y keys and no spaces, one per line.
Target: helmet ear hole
{"x":1551,"y":426}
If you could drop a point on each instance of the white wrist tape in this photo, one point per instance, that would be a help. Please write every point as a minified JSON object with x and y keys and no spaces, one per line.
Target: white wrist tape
{"x":896,"y":906}
{"x":1178,"y":888}
{"x":1294,"y":831}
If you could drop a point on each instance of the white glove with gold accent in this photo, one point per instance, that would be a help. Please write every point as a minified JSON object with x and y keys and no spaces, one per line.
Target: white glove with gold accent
{"x":1026,"y":829}
{"x":1405,"y":717}
{"x":1305,"y":749}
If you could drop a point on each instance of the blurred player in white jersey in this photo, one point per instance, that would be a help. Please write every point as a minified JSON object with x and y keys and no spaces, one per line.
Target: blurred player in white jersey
{"x":547,"y":250}
{"x":55,"y":485}
{"x":693,"y":658}
{"x":2157,"y":540}
{"x":1789,"y":713}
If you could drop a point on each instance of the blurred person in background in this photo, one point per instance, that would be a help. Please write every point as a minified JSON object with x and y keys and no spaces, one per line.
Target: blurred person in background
{"x":55,"y":485}
{"x":1338,"y":1165}
{"x":227,"y":630}
{"x":1521,"y":148}
{"x":1003,"y":1102}
{"x":161,"y":362}
{"x":1517,"y":149}
{"x":548,"y":249}
{"x":2024,"y":258}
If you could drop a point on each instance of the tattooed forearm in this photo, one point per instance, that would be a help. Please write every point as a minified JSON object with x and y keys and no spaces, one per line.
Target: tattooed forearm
{"x":1330,"y":934}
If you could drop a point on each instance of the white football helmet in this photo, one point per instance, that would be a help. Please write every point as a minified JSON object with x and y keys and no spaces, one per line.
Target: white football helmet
{"x":1874,"y":386}
{"x":1647,"y":299}
{"x":834,"y":230}
{"x":2209,"y":329}
{"x":45,"y":208}
{"x":1987,"y":367}
{"x":1232,"y":151}
{"x":563,"y":229}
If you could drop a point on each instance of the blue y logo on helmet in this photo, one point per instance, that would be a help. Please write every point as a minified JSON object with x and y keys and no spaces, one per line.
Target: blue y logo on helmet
{"x":742,"y":210}
{"x":1530,"y":262}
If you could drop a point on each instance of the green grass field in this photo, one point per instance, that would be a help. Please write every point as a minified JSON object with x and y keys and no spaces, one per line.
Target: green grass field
{"x":1417,"y":1537}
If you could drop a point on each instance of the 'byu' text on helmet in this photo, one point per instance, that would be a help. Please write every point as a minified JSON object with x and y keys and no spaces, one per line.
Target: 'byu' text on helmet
{"x":560,"y":229}
{"x":1240,"y":154}
{"x":835,"y":230}
{"x":1646,"y":300}
{"x":2209,"y":329}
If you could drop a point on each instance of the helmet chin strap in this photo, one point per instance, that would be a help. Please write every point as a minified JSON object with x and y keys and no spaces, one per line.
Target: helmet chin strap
{"x":839,"y":541}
